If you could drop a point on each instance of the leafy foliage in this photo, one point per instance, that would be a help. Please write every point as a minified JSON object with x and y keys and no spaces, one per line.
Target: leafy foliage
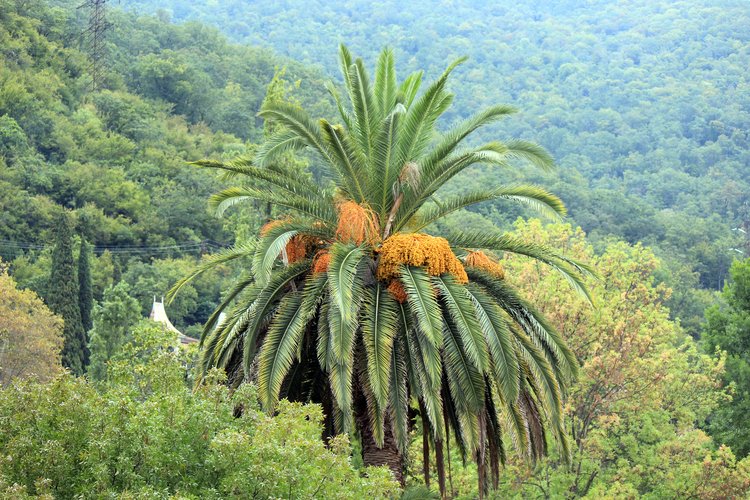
{"x":647,"y":125}
{"x":432,"y":344}
{"x":147,"y":434}
{"x":114,"y":319}
{"x":727,"y":329}
{"x":644,"y":387}
{"x":31,"y":336}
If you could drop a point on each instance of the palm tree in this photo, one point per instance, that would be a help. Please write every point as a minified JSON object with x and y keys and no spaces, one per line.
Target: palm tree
{"x":351,"y":303}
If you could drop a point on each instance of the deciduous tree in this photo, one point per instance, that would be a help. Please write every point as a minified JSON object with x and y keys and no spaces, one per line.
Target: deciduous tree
{"x":30,"y":334}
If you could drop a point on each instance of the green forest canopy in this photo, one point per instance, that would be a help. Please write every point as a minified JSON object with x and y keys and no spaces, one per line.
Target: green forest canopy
{"x":645,"y":104}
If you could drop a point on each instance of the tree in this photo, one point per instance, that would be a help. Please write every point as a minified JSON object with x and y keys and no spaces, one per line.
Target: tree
{"x":62,"y":296}
{"x":643,"y":385}
{"x":113,"y":320}
{"x":30,"y":334}
{"x":146,"y":434}
{"x":85,"y":289}
{"x":728,"y":329}
{"x":350,"y":303}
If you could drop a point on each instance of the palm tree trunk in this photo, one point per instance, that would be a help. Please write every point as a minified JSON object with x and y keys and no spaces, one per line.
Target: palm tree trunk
{"x":426,"y":457}
{"x":440,"y":466}
{"x":388,"y":454}
{"x":425,"y":444}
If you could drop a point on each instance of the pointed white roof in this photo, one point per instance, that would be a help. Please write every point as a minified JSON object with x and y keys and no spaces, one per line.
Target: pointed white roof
{"x":159,"y":314}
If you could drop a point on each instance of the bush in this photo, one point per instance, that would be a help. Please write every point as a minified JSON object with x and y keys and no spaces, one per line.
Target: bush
{"x":145,"y":434}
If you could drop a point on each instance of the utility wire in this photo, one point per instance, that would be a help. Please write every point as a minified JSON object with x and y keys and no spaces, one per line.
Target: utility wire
{"x":204,"y":245}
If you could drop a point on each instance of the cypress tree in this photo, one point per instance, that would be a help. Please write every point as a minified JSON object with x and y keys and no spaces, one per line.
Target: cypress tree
{"x":85,"y":292}
{"x":62,"y":296}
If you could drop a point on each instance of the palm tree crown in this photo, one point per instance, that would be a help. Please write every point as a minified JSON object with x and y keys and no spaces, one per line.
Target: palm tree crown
{"x":348,"y":300}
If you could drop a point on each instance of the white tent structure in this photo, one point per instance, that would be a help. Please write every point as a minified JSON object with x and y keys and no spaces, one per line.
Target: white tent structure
{"x":159,"y":314}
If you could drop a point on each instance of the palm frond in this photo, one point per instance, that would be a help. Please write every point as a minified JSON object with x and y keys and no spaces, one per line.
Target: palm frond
{"x":435,"y":177}
{"x":466,"y":386}
{"x":283,"y":141}
{"x":530,"y":320}
{"x":344,"y":113}
{"x":291,"y":182}
{"x":365,"y":110}
{"x":385,"y":89}
{"x":428,"y":365}
{"x":499,"y":340}
{"x":464,"y":377}
{"x":345,"y":62}
{"x":398,"y":396}
{"x":530,"y":152}
{"x":324,"y":336}
{"x":535,"y":197}
{"x":423,"y":303}
{"x":283,"y":340}
{"x":299,"y":122}
{"x":268,"y":250}
{"x":408,"y":89}
{"x":419,"y":122}
{"x":379,"y":326}
{"x":247,"y":289}
{"x":279,"y":347}
{"x":346,"y":291}
{"x":384,"y":169}
{"x":350,"y":163}
{"x":572,"y":270}
{"x":267,"y":299}
{"x":451,"y":140}
{"x":541,"y":374}
{"x":320,"y":207}
{"x":463,"y":319}
{"x":238,"y":251}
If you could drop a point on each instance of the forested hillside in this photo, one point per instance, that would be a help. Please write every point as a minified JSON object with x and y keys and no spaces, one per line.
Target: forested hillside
{"x":117,"y":157}
{"x":644,"y":104}
{"x":365,"y":270}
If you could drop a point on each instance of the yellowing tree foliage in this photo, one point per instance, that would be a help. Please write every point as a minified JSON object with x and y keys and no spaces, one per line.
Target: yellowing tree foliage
{"x":644,"y":385}
{"x":30,"y":334}
{"x":643,"y":388}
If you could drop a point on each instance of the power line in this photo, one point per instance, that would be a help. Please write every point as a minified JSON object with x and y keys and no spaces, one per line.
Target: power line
{"x":200,"y":246}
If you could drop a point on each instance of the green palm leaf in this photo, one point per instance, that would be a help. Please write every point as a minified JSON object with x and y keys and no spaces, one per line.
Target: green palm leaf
{"x":450,"y":141}
{"x":267,"y":298}
{"x":283,"y":141}
{"x":534,"y":197}
{"x":530,"y":320}
{"x":346,"y":291}
{"x":350,"y":162}
{"x":421,"y":117}
{"x":283,"y":340}
{"x":464,"y":377}
{"x":462,"y":315}
{"x":318,"y":207}
{"x":408,"y":89}
{"x":499,"y":340}
{"x":299,"y":122}
{"x":238,"y":251}
{"x":428,"y":365}
{"x":423,"y":303}
{"x":365,"y":112}
{"x":572,"y":270}
{"x":379,"y":326}
{"x":385,"y":90}
{"x":398,"y":397}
